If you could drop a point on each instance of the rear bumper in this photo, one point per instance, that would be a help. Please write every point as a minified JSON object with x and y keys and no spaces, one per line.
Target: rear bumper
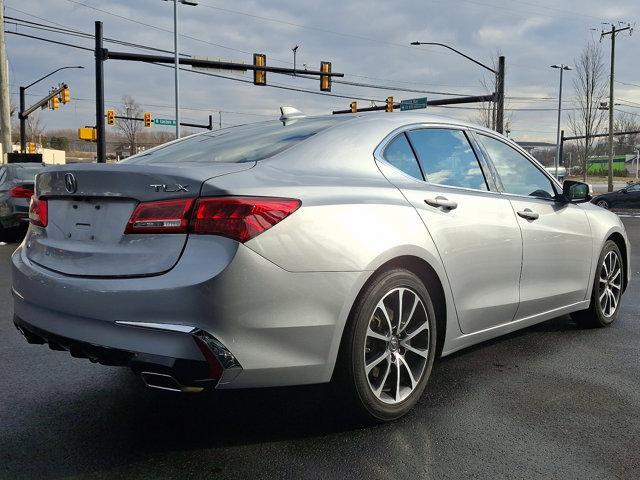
{"x":177,"y":356}
{"x":281,"y":328}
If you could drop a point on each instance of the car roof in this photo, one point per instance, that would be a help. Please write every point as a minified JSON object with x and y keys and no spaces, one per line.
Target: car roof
{"x":400,"y":119}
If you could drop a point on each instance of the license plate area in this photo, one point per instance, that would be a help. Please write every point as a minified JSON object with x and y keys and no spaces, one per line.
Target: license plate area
{"x":89,"y":219}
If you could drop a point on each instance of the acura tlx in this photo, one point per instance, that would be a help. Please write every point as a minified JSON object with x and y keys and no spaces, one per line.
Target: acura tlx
{"x":348,"y":249}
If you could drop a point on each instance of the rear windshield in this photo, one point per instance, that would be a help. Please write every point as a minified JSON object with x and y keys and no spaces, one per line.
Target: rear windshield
{"x":26,"y":174}
{"x":247,"y":143}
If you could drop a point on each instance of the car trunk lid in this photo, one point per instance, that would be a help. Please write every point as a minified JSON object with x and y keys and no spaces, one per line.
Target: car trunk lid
{"x":88,"y":210}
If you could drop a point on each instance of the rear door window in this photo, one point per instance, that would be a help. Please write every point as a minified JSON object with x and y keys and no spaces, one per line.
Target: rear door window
{"x":247,"y":143}
{"x":446,"y":158}
{"x":399,"y":154}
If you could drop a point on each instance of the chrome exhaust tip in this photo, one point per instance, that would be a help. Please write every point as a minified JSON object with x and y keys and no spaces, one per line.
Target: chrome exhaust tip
{"x":162,"y":381}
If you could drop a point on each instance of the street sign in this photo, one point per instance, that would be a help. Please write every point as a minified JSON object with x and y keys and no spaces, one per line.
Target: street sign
{"x":413,"y":104}
{"x":164,"y":121}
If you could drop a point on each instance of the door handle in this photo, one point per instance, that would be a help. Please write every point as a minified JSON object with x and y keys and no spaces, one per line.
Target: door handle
{"x":528,"y":214}
{"x":441,"y":202}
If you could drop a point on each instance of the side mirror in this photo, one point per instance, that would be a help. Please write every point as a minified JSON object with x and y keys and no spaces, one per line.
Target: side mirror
{"x":575,"y":191}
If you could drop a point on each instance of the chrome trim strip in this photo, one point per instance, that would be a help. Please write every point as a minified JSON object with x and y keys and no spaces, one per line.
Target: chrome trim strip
{"x":159,"y":326}
{"x":378,"y":153}
{"x":15,"y":292}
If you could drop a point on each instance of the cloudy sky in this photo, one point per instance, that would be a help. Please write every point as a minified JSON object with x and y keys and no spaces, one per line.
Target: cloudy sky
{"x":367,"y":40}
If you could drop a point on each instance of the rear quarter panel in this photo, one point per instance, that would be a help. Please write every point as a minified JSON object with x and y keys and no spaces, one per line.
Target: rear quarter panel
{"x":352,"y":219}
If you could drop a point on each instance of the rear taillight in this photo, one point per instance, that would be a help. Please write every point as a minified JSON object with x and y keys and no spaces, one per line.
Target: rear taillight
{"x":38,"y":213}
{"x":165,"y":216}
{"x":20,"y":192}
{"x":239,"y":218}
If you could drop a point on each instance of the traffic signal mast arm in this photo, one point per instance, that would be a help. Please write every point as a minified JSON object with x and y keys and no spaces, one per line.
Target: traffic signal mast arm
{"x":199,"y":62}
{"x":44,"y":101}
{"x":148,"y":120}
{"x":444,"y":101}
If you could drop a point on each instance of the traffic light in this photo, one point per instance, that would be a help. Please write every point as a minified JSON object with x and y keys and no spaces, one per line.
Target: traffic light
{"x":354,"y":107}
{"x":65,"y":95}
{"x":87,"y":133}
{"x":147,"y":119}
{"x":325,"y":80}
{"x":54,"y":103}
{"x":111,"y":117}
{"x":31,"y":146}
{"x":389,"y":104}
{"x":259,"y":76}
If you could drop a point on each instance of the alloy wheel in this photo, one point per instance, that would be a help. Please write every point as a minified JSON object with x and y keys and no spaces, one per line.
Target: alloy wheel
{"x":610,"y":284}
{"x":397,"y":345}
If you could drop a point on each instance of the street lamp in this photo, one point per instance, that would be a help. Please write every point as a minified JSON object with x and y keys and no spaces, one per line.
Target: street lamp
{"x":23,"y":139}
{"x":562,"y":67}
{"x":499,"y":73}
{"x":176,"y":58}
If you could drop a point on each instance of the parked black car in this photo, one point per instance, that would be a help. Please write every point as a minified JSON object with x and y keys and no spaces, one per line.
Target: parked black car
{"x":16,"y":189}
{"x":627,"y":197}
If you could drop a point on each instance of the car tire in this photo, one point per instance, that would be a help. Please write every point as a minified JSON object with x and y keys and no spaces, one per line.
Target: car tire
{"x":12,"y":235}
{"x":603,"y":203}
{"x":371,"y":387}
{"x":607,"y":289}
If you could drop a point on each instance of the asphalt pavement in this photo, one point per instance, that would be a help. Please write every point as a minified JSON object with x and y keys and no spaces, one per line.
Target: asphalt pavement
{"x":550,"y":401}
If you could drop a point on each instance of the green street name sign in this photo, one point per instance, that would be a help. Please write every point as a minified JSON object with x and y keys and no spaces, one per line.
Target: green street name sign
{"x":164,"y":121}
{"x":413,"y":103}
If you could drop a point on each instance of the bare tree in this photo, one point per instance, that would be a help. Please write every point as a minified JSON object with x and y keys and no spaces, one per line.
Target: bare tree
{"x":130,"y":129}
{"x":626,"y":122}
{"x":34,"y":128}
{"x":589,"y":83}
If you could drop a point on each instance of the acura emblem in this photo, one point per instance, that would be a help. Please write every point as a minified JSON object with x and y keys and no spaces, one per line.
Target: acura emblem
{"x":70,"y":183}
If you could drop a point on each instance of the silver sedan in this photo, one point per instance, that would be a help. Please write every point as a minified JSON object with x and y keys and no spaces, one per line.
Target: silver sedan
{"x":350,"y":249}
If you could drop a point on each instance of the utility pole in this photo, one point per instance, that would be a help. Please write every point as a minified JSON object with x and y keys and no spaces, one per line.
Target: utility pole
{"x":613,"y":32}
{"x":101,"y":141}
{"x":176,"y":58}
{"x":500,"y":99}
{"x":176,"y":65}
{"x":562,"y":68}
{"x":5,"y":108}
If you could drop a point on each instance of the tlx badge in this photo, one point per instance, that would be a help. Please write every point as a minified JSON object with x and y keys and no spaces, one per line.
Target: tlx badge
{"x":170,"y":188}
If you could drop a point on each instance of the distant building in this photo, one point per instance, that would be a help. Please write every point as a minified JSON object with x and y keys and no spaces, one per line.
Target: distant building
{"x":599,"y":165}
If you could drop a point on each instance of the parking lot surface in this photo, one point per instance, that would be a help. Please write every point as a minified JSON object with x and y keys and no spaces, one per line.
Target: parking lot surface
{"x":553,"y":400}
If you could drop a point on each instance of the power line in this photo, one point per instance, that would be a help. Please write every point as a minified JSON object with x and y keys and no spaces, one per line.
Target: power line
{"x":49,"y":40}
{"x":627,"y":112}
{"x":77,"y":33}
{"x":229,"y":48}
{"x":112,"y":101}
{"x":627,"y":83}
{"x":271,"y":85}
{"x":155,"y":27}
{"x":18,"y":22}
{"x":310,"y":27}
